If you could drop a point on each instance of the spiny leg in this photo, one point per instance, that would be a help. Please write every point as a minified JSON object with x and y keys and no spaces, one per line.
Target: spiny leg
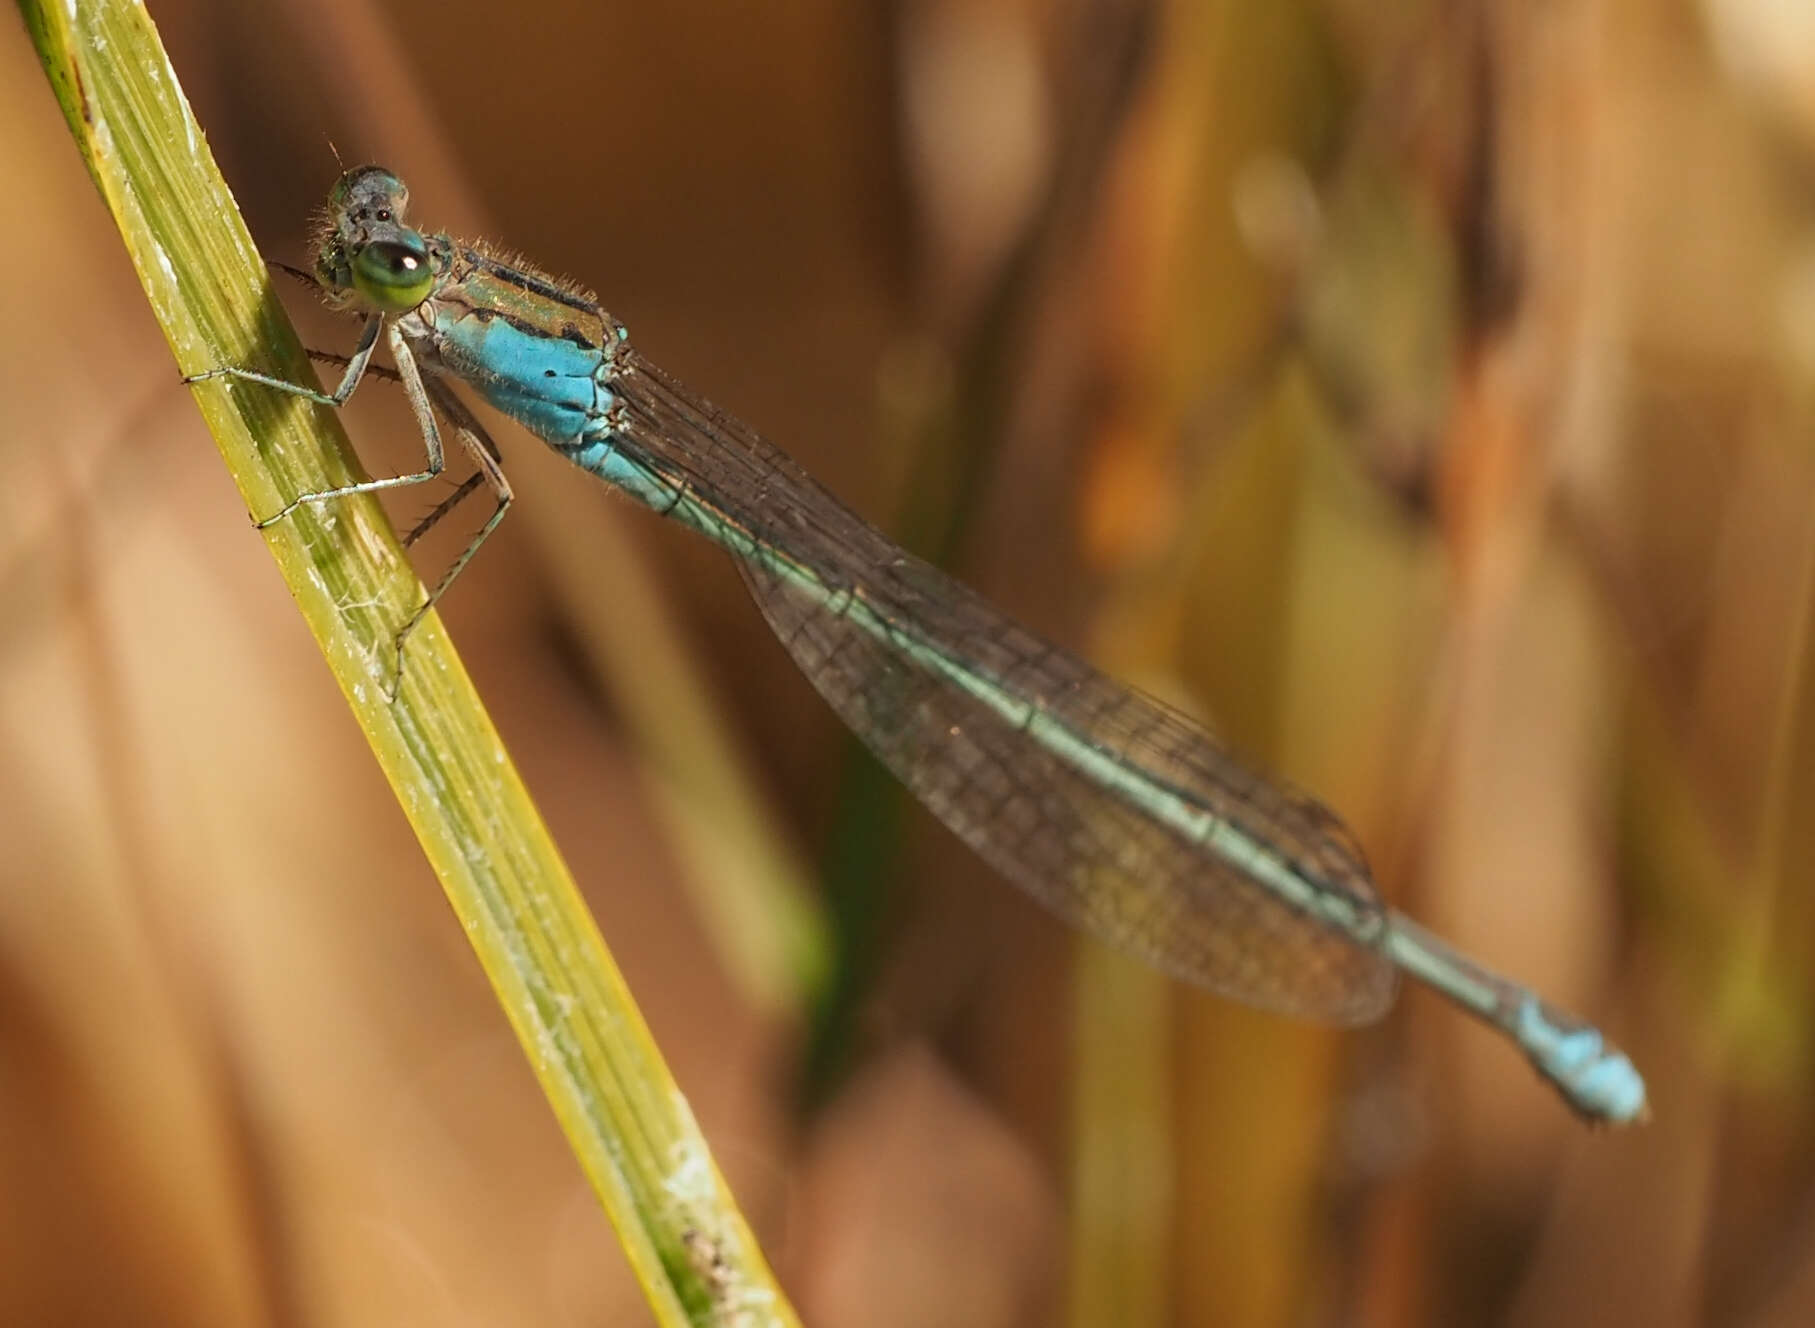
{"x":411,"y":378}
{"x":443,"y":507}
{"x":358,"y":365}
{"x":356,"y":368}
{"x":447,"y":504}
{"x":484,"y":452}
{"x":307,"y":278}
{"x":334,"y":357}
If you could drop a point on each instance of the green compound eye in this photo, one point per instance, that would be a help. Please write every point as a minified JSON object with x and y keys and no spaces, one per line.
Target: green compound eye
{"x":395,"y":275}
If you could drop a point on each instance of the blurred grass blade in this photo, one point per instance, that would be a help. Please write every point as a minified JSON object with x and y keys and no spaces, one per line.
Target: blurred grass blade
{"x":623,"y":1115}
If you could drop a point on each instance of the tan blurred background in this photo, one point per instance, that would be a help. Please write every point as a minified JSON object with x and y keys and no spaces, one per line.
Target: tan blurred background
{"x":1425,"y":394}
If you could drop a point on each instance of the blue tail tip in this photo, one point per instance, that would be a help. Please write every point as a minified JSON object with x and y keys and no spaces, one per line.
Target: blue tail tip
{"x":1596,"y":1078}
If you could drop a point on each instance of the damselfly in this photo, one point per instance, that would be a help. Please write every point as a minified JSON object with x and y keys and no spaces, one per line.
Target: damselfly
{"x":1117,"y":812}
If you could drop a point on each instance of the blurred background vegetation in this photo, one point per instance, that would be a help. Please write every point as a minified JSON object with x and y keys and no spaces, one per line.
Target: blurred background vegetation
{"x":1423,"y":394}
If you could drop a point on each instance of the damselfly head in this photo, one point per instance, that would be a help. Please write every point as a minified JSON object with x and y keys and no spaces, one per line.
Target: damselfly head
{"x":369,"y":193}
{"x":366,"y":251}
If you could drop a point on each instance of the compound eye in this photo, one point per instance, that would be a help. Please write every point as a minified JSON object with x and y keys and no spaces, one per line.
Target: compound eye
{"x":395,"y":275}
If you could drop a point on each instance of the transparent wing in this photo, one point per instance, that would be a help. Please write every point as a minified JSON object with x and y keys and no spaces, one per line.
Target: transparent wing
{"x":1117,"y":812}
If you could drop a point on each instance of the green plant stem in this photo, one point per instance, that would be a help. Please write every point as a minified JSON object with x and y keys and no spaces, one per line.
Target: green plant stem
{"x":621,"y":1110}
